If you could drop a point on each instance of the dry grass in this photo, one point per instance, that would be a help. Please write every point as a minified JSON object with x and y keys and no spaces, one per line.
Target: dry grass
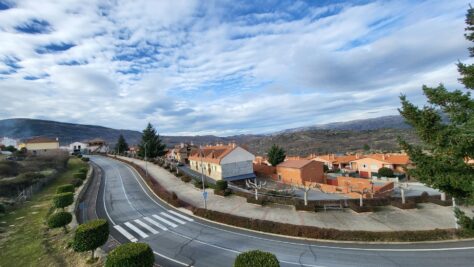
{"x":28,"y":242}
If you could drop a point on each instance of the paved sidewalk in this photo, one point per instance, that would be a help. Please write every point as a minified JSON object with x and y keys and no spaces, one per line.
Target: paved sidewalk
{"x":427,"y":216}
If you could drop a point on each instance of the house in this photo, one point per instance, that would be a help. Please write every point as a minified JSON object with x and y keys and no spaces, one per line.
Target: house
{"x":78,"y":147}
{"x":6,"y":141}
{"x":300,"y":171}
{"x":182,"y":152}
{"x":41,"y":145}
{"x":223,"y":162}
{"x":97,"y":145}
{"x":369,"y":165}
{"x":328,"y":160}
{"x":343,"y":162}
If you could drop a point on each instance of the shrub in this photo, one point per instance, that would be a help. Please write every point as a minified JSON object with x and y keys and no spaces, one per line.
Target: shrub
{"x":385,"y":172}
{"x":8,"y":168}
{"x":2,"y":208}
{"x":79,"y":155}
{"x":179,"y":174}
{"x":131,"y":255}
{"x":256,"y":258}
{"x":65,"y":188}
{"x":76,"y":182}
{"x":80,"y":175}
{"x":85,"y":159}
{"x":227,"y":191}
{"x":186,"y":179}
{"x":90,"y":236}
{"x":63,"y":200}
{"x":60,"y":219}
{"x":84,"y":170}
{"x":221,"y":185}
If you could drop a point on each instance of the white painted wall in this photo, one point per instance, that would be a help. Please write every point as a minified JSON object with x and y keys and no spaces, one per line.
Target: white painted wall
{"x":237,"y":155}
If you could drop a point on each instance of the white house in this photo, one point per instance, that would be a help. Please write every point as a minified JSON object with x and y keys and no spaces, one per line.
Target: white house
{"x":223,"y":162}
{"x":78,"y":147}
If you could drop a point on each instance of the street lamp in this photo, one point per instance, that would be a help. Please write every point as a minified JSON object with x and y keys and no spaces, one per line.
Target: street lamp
{"x":204,"y":193}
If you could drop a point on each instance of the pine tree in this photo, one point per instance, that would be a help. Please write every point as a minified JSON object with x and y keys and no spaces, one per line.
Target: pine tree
{"x":152,"y":141}
{"x":276,"y":155}
{"x":121,"y":145}
{"x":441,"y":161}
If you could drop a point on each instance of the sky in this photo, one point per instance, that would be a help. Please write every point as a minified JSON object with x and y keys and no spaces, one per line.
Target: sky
{"x":223,"y":67}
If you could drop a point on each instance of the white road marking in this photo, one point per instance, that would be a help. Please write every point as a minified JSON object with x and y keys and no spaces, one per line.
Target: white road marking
{"x":165,"y":221}
{"x":125,"y":233}
{"x":136,"y":230}
{"x":172,"y":218}
{"x":146,"y":226}
{"x":150,"y":220}
{"x":180,"y":215}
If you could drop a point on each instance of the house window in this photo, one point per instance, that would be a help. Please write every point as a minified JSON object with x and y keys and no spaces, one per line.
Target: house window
{"x":364,"y":166}
{"x":279,"y":177}
{"x":374,"y":167}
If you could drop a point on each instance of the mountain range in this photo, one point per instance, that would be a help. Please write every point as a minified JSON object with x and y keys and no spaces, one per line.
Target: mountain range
{"x":378,"y":133}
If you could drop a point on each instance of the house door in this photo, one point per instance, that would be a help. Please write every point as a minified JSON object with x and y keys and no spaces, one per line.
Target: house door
{"x":364,"y":174}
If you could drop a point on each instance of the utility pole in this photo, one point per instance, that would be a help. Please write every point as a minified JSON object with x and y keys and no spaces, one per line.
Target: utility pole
{"x":146,"y":160}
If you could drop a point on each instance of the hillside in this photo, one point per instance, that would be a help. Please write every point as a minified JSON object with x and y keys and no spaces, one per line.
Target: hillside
{"x":67,"y":132}
{"x":330,"y":138}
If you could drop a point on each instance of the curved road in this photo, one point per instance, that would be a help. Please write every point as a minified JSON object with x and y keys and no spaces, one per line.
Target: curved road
{"x":179,"y":239}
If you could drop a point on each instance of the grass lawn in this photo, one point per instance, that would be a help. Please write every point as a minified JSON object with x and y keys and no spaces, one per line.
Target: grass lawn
{"x":28,"y":242}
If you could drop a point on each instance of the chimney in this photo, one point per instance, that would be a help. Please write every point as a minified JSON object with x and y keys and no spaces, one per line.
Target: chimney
{"x":357,"y":156}
{"x":383,"y":156}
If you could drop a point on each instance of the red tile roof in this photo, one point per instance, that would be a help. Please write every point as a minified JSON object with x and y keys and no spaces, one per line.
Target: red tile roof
{"x":213,"y":154}
{"x":296,"y":164}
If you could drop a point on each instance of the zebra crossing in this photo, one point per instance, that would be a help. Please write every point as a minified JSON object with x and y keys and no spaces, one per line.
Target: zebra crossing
{"x":151,"y":225}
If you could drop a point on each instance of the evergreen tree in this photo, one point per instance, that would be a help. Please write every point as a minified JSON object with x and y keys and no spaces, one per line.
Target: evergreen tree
{"x":121,"y":145}
{"x":441,"y":161}
{"x":276,"y":155}
{"x":152,"y":141}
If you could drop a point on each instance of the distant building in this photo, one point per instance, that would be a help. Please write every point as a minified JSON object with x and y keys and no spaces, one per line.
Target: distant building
{"x":6,"y":141}
{"x":223,"y":162}
{"x":300,"y":171}
{"x":41,"y":145}
{"x":97,"y":145}
{"x":78,"y":147}
{"x":369,"y":165}
{"x":182,"y":152}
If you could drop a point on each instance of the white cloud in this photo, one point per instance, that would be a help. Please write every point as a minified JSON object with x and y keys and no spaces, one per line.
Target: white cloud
{"x":197,"y":68}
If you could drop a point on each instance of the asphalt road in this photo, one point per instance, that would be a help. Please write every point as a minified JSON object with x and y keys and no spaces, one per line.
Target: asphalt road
{"x":179,"y":239}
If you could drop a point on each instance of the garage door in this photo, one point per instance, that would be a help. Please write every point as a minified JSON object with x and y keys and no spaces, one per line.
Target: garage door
{"x":364,"y":174}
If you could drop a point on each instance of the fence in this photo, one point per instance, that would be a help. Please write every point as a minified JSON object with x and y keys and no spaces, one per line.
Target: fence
{"x":28,"y":192}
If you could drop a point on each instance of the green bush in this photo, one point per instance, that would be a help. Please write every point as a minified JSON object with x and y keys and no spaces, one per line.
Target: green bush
{"x":185,"y":178}
{"x":76,"y":182}
{"x":60,"y":201}
{"x":60,"y":219}
{"x":256,"y":258}
{"x":131,"y":255}
{"x":2,"y":208}
{"x":84,"y":170}
{"x":79,"y":156}
{"x":221,"y":185}
{"x":65,"y":188}
{"x":85,"y":159}
{"x":385,"y":172}
{"x":91,"y":235}
{"x":80,"y":175}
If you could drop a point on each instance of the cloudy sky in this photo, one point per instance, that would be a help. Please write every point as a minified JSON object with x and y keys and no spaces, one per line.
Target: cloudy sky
{"x":223,"y":67}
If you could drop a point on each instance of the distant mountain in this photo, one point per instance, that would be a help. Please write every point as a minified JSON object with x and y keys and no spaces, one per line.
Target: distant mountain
{"x":379,"y":133}
{"x":385,"y":122}
{"x":66,"y":132}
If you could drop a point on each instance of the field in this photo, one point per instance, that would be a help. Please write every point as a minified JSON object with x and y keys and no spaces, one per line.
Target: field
{"x":26,"y":241}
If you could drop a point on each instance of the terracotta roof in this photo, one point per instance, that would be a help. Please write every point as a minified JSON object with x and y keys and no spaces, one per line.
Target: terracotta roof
{"x":347,"y":158}
{"x":41,"y":140}
{"x":401,"y":159}
{"x":296,"y":164}
{"x":213,"y":154}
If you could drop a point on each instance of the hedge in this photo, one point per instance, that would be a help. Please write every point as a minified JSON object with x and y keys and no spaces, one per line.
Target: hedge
{"x":2,"y":208}
{"x":60,"y":219}
{"x":131,"y":255}
{"x":63,"y":200}
{"x":85,"y":159}
{"x":65,"y":188}
{"x":221,"y":185}
{"x":76,"y":182}
{"x":185,"y":178}
{"x":256,"y":258}
{"x":80,"y":175}
{"x":84,"y":170}
{"x":91,"y":235}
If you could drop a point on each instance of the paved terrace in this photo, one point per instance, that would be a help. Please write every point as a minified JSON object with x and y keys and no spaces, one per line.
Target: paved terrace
{"x":426,"y":216}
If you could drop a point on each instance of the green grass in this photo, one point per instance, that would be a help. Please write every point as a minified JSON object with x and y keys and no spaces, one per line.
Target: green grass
{"x":27,"y":241}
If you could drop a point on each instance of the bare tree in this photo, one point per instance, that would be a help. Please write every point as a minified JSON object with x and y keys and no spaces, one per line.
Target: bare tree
{"x":255,"y":185}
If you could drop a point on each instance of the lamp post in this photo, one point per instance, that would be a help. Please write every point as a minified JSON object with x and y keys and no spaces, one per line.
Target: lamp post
{"x":204,"y":193}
